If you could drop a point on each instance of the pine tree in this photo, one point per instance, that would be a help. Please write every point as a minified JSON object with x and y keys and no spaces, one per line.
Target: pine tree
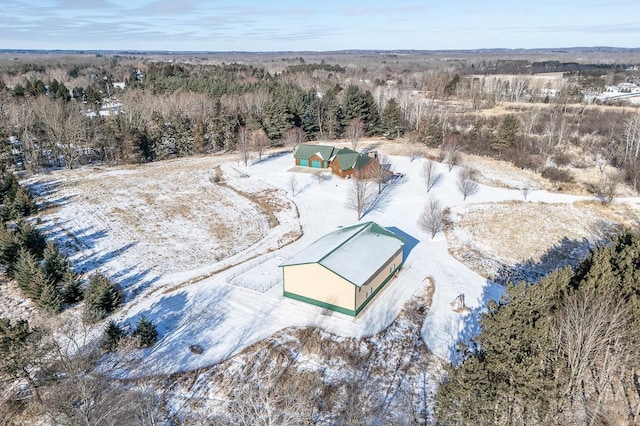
{"x":23,"y":205}
{"x":391,"y":118}
{"x":146,"y":333}
{"x":71,"y":288}
{"x":55,"y":263}
{"x":49,"y":298}
{"x":9,"y":248}
{"x":31,"y":239}
{"x":434,"y":132}
{"x":113,"y":333}
{"x":507,"y":133}
{"x":28,"y":274}
{"x":101,"y":298}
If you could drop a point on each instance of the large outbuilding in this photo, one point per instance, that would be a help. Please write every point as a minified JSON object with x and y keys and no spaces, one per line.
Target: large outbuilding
{"x":345,"y":269}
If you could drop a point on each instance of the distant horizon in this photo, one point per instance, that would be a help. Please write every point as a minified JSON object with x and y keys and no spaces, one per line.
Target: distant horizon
{"x":576,"y":49}
{"x":327,"y":26}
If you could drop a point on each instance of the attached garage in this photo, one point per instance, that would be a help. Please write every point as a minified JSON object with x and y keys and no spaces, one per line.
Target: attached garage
{"x":314,"y":156}
{"x":344,"y":270}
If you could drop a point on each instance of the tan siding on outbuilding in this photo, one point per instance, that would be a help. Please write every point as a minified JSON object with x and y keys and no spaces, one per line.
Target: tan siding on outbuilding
{"x":377,"y":280}
{"x":316,"y":282}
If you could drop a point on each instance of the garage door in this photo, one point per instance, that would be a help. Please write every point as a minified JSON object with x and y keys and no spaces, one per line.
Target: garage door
{"x":315,"y":164}
{"x":304,"y":163}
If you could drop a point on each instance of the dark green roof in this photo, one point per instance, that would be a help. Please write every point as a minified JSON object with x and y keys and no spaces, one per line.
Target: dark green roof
{"x":306,"y":151}
{"x":350,"y":159}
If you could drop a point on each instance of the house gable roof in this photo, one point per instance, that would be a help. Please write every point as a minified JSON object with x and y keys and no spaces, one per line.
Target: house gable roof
{"x":351,"y":160}
{"x":355,"y":252}
{"x":306,"y":151}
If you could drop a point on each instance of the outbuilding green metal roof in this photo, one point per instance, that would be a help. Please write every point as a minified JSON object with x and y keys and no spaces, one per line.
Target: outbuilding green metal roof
{"x":354,"y":252}
{"x":306,"y":151}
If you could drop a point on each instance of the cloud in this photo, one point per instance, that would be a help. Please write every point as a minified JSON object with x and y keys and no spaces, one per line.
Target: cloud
{"x":167,"y":7}
{"x":85,"y":4}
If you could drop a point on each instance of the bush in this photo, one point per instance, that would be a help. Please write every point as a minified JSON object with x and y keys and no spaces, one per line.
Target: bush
{"x":146,"y":333}
{"x":557,"y":175}
{"x":101,"y":298}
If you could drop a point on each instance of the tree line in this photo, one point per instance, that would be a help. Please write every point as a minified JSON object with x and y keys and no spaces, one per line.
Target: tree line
{"x":561,"y":351}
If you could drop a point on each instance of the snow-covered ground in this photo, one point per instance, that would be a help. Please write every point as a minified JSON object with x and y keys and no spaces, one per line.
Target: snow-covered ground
{"x":210,"y":301}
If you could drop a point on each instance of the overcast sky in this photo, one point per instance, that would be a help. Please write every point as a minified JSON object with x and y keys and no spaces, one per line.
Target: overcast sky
{"x":279,"y":25}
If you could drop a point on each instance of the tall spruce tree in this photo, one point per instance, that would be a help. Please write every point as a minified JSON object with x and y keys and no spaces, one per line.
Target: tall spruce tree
{"x":391,"y":118}
{"x":55,"y":263}
{"x":28,"y":274}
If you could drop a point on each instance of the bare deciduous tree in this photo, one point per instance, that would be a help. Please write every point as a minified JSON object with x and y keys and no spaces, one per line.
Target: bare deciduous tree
{"x":359,"y":196}
{"x":381,"y":171}
{"x":243,"y":145}
{"x":294,"y":137}
{"x":451,"y":154}
{"x":466,"y":185}
{"x":293,"y":184}
{"x":260,"y":141}
{"x":354,"y":131}
{"x":429,"y":172}
{"x":632,"y":138}
{"x":594,"y":340}
{"x":432,"y":217}
{"x":607,"y":187}
{"x":63,"y":123}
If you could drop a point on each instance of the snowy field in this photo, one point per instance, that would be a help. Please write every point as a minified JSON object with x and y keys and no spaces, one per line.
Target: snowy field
{"x":200,"y":258}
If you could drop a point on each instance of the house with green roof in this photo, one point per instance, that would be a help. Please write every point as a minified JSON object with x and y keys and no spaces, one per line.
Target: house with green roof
{"x":314,"y":156}
{"x":347,"y":162}
{"x":344,"y":270}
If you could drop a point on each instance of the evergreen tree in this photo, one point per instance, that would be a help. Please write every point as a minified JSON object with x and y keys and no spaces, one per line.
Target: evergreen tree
{"x":434,"y":132}
{"x":9,"y":248}
{"x":9,"y":187}
{"x":21,"y":350}
{"x":278,"y":119}
{"x":372,"y":123}
{"x":101,"y":298}
{"x":146,"y":333}
{"x":70,"y":288}
{"x":113,"y":333}
{"x":55,"y":263}
{"x":507,"y":133}
{"x":31,"y":239}
{"x":391,"y":118}
{"x":28,"y":274}
{"x":49,"y":297}
{"x":359,"y":105}
{"x":23,"y":204}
